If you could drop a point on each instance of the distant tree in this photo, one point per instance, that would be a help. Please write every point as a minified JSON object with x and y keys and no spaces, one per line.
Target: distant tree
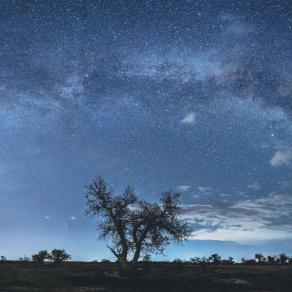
{"x":3,"y":258}
{"x":40,"y":257}
{"x":205,"y":260}
{"x":271,"y":260}
{"x":215,"y":259}
{"x":135,"y":226}
{"x":283,"y":259}
{"x":195,"y":260}
{"x":259,"y":258}
{"x":229,"y":261}
{"x":24,"y":259}
{"x":177,"y":261}
{"x":59,"y":256}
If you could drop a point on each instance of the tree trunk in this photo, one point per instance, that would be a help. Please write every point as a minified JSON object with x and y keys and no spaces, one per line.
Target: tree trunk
{"x":121,"y":259}
{"x":136,"y":257}
{"x":123,"y":264}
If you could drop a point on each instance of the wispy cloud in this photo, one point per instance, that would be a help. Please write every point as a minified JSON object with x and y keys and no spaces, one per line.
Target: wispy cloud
{"x":251,"y":220}
{"x":183,"y":188}
{"x":282,"y":157}
{"x":204,"y":189}
{"x":189,"y":119}
{"x":255,"y":186}
{"x":241,"y":235}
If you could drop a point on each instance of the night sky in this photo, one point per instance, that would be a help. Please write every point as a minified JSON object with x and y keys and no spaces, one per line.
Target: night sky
{"x":193,"y":96}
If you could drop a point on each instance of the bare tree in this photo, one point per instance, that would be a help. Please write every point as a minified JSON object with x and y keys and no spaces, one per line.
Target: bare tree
{"x":134,"y":226}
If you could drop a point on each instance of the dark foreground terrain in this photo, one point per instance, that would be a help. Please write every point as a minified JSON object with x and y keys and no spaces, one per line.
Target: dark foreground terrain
{"x":75,"y":276}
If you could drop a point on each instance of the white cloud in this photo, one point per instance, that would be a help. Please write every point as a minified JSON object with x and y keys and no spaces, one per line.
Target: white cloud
{"x":189,"y":119}
{"x":282,"y":157}
{"x":183,"y":188}
{"x":241,"y":235}
{"x":72,"y":218}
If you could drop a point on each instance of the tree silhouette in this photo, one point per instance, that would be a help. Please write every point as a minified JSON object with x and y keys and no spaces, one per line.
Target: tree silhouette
{"x":282,"y":259}
{"x":58,"y":256}
{"x":135,"y":226}
{"x":40,"y":257}
{"x":3,"y":258}
{"x":260,"y":258}
{"x":271,"y":260}
{"x":25,"y":259}
{"x":229,"y":261}
{"x":215,"y":259}
{"x":195,"y":260}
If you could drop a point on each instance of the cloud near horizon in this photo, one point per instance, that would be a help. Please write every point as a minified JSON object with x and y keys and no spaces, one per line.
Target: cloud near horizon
{"x":245,"y":221}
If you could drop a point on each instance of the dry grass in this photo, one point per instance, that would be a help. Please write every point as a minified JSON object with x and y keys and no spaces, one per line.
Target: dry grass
{"x":76,"y":276}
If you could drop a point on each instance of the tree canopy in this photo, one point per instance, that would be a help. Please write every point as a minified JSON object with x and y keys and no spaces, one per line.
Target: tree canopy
{"x":135,"y":226}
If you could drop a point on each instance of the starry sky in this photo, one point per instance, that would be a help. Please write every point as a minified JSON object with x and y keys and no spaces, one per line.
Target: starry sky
{"x":193,"y":96}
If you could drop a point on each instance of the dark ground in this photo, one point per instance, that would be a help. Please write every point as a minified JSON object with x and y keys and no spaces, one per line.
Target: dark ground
{"x":75,"y":276}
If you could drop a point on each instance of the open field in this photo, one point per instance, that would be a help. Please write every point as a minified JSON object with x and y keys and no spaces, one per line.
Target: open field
{"x":76,"y":276}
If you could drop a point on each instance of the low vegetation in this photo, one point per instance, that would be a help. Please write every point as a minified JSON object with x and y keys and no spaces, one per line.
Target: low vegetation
{"x":58,"y":256}
{"x":149,"y":276}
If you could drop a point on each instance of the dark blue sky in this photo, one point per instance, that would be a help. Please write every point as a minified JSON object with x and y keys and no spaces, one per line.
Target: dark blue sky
{"x":193,"y":96}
